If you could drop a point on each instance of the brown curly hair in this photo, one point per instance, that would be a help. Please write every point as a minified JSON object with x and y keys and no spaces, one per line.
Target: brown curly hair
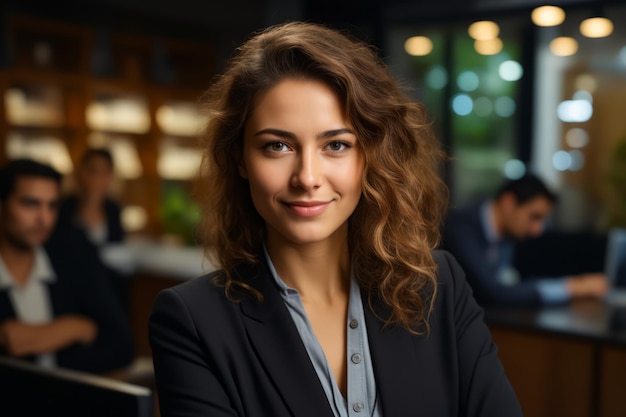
{"x":396,"y":223}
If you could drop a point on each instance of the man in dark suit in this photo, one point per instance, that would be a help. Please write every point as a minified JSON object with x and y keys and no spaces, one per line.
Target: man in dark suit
{"x":56,"y":308}
{"x":482,"y":238}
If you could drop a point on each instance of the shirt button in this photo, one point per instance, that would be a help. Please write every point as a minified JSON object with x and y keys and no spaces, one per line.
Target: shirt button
{"x":358,"y":407}
{"x":356,"y":358}
{"x":354,"y":324}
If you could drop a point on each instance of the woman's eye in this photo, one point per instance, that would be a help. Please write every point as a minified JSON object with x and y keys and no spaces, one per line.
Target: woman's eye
{"x":337,"y":146}
{"x":276,"y":147}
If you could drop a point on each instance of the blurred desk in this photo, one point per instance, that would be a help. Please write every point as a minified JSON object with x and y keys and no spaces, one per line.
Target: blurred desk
{"x":564,"y":361}
{"x":154,"y":267}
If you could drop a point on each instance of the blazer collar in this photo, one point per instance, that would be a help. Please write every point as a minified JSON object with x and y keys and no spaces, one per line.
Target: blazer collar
{"x":393,"y":360}
{"x":403,"y":363}
{"x":395,"y":353}
{"x":277,"y":341}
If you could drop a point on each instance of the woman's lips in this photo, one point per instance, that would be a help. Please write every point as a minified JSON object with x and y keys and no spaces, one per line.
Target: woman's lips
{"x":307,"y":208}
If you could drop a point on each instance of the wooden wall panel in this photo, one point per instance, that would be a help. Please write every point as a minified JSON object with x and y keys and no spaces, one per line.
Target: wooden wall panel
{"x":552,"y":376}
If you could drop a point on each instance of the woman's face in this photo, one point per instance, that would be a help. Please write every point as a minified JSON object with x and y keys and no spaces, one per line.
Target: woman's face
{"x":303,"y":162}
{"x":95,"y":176}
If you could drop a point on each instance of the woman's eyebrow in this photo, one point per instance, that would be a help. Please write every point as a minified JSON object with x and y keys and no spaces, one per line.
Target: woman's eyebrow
{"x":289,"y":135}
{"x":276,"y":132}
{"x":335,"y":132}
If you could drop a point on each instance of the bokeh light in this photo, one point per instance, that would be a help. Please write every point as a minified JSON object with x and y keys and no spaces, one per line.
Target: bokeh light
{"x":514,"y":169}
{"x":510,"y":70}
{"x":467,"y":81}
{"x":418,"y":46}
{"x":462,"y":104}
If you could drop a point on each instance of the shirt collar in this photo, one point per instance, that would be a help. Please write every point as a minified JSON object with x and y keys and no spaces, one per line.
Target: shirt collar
{"x":282,"y":287}
{"x":285,"y":290}
{"x":42,"y":271}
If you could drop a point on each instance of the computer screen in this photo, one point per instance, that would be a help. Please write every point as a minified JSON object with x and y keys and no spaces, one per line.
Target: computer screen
{"x":29,"y":390}
{"x":615,"y":267}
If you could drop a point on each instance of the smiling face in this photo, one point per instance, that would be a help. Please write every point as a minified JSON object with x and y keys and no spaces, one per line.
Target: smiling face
{"x":303,"y":163}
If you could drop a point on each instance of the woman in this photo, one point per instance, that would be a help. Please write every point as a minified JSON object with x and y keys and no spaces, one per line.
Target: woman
{"x":91,"y":210}
{"x":92,"y":218}
{"x":322,"y":205}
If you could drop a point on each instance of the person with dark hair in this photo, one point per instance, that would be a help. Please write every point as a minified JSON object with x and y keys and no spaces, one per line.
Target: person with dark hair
{"x":55,"y":307}
{"x":90,"y":214}
{"x":482,"y":237}
{"x":322,"y":204}
{"x":91,"y":210}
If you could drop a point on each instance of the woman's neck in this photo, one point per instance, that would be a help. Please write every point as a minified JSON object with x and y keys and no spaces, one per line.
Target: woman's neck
{"x":319,"y":271}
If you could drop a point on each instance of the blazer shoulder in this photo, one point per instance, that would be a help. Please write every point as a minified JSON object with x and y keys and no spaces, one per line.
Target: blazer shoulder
{"x":445,"y":264}
{"x":201,"y":289}
{"x":450,"y":275}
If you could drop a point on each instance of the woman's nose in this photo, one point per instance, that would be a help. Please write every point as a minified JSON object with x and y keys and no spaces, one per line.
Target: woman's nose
{"x":308,"y":170}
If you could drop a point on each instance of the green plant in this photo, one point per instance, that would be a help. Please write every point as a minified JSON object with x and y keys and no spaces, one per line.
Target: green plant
{"x":179,"y":213}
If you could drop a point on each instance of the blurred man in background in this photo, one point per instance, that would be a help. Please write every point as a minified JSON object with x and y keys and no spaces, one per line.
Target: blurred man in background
{"x":56,"y":307}
{"x":482,"y":237}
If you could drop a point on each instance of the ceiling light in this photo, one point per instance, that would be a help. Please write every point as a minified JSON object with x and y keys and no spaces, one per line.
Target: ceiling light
{"x":488,"y":47}
{"x":418,"y":46}
{"x":548,"y":16}
{"x":483,"y":30}
{"x":563,"y":46}
{"x":596,"y":27}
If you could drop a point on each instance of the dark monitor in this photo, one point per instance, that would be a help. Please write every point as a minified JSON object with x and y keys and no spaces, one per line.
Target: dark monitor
{"x":30,"y":390}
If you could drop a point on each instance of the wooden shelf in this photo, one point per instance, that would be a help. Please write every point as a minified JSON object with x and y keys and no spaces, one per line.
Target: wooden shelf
{"x":156,"y":70}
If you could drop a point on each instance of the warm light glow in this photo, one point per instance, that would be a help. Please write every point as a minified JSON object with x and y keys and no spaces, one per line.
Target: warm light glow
{"x":134,"y":218}
{"x":488,"y":47}
{"x":119,"y":115}
{"x":586,"y":82}
{"x":47,"y":150}
{"x":577,"y":137}
{"x":418,"y":46}
{"x":484,"y":30}
{"x":177,"y":162}
{"x":37,"y":107}
{"x":181,"y":119}
{"x":548,"y":16}
{"x":596,"y":27}
{"x":563,"y":46}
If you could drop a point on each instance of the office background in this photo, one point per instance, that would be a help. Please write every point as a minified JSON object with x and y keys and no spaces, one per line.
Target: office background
{"x":127,"y":75}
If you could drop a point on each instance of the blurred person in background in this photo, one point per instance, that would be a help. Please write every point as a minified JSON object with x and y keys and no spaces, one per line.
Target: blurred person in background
{"x":91,"y":210}
{"x":91,"y":214}
{"x":56,"y":306}
{"x":482,"y":237}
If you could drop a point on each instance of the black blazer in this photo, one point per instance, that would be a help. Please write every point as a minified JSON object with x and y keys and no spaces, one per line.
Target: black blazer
{"x":214,"y":357}
{"x":80,"y":288}
{"x":465,"y":238}
{"x":112,"y":210}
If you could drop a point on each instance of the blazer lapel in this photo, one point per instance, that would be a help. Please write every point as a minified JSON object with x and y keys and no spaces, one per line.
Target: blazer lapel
{"x":279,"y":346}
{"x":394,"y":360}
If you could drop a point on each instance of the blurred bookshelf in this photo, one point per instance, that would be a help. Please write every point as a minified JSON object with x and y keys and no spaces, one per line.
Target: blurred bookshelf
{"x":68,"y":87}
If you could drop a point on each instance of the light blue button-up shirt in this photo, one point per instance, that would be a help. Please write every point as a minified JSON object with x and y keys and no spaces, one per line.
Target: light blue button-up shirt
{"x":362,"y":397}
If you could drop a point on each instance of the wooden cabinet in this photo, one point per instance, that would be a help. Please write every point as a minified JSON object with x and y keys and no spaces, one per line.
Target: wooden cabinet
{"x":69,"y":87}
{"x":560,"y":375}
